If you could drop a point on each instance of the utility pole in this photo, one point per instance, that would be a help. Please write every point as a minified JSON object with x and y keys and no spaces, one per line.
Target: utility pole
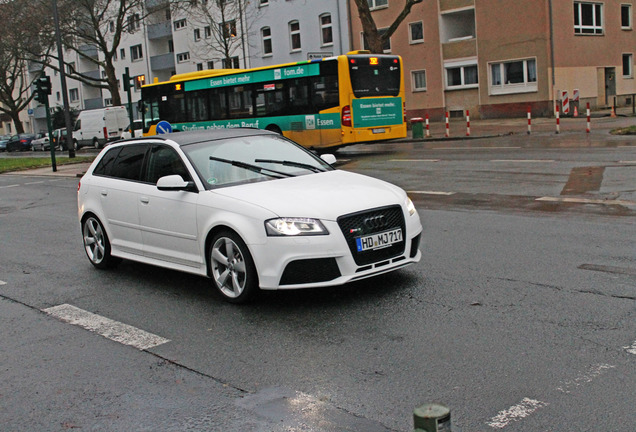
{"x":60,"y":56}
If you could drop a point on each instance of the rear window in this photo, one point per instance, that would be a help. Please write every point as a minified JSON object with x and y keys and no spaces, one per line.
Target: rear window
{"x":375,"y":75}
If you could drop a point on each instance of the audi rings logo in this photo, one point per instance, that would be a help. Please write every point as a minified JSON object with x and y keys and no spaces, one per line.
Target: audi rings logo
{"x":375,"y":222}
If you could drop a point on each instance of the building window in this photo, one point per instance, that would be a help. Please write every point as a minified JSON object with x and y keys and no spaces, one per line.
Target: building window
{"x":628,"y":65}
{"x":519,"y":76}
{"x":122,"y":54}
{"x":263,"y":2}
{"x":294,"y":35}
{"x":210,"y":65}
{"x":461,"y":75}
{"x":199,"y":66}
{"x":136,"y":53}
{"x":197,"y":34}
{"x":416,"y":32}
{"x":207,"y":32}
{"x":386,"y":45}
{"x":266,"y":36}
{"x":114,"y":55}
{"x":231,"y":63}
{"x":73,"y":95}
{"x":111,"y":26}
{"x":626,"y":17}
{"x":108,"y":102}
{"x":179,"y":24}
{"x":326,"y":30}
{"x":134,"y":23}
{"x":183,"y":57}
{"x":418,"y":80}
{"x":229,"y":29}
{"x":170,"y":45}
{"x":376,"y":4}
{"x":588,"y":18}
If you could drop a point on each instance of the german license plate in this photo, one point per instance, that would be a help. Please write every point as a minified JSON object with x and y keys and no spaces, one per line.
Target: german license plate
{"x":379,"y":240}
{"x":378,"y":130}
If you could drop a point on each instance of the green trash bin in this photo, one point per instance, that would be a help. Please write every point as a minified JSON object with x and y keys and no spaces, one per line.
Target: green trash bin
{"x":417,"y":126}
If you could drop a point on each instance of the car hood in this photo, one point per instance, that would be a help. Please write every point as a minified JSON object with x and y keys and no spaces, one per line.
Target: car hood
{"x":326,"y":195}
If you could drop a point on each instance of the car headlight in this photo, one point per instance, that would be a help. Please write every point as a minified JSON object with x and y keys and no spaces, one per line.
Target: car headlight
{"x":410,"y":206}
{"x":294,"y":227}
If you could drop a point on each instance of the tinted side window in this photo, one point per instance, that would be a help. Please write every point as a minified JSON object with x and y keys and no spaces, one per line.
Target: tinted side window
{"x":128,"y":163}
{"x":105,"y":165}
{"x":163,"y":161}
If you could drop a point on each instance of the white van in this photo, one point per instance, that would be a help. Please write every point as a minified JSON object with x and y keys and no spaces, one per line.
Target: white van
{"x":99,"y":126}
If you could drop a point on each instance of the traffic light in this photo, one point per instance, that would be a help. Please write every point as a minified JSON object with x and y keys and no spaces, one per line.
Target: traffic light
{"x":129,"y":82}
{"x":42,"y":89}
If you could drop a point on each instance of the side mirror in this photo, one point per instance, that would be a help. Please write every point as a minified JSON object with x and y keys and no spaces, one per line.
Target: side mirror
{"x":173,"y":183}
{"x":329,"y":158}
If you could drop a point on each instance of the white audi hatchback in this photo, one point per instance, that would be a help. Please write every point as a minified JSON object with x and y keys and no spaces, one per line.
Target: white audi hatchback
{"x":245,"y":207}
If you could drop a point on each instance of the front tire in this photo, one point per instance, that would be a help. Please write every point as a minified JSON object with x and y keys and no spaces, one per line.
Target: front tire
{"x":96,"y":243}
{"x":96,"y":143}
{"x":232,"y":268}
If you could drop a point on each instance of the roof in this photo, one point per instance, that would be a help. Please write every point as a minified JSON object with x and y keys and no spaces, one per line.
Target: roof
{"x":202,"y":135}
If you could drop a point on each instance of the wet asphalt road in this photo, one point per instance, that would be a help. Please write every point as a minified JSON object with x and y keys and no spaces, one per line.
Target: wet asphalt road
{"x":520,"y":317}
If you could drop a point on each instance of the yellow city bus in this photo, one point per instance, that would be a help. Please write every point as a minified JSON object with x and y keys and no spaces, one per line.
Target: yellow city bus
{"x":330,"y":102}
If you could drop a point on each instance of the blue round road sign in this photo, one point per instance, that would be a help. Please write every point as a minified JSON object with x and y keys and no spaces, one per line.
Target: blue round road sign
{"x":163,"y":127}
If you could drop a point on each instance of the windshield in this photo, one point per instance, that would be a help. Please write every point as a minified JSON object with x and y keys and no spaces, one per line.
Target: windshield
{"x":375,"y":75}
{"x":250,"y":159}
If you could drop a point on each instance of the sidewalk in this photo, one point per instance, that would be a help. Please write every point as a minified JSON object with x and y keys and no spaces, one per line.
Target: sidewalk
{"x":572,"y":131}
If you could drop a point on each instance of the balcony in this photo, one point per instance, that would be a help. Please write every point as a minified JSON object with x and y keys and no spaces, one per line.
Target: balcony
{"x":162,"y":62}
{"x":445,"y":5}
{"x":89,"y":51}
{"x":160,"y":30}
{"x":460,"y":48}
{"x":93,"y":103}
{"x":156,"y":4}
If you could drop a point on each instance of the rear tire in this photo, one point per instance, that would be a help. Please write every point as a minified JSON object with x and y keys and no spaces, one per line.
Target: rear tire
{"x":96,"y":244}
{"x":95,"y":143}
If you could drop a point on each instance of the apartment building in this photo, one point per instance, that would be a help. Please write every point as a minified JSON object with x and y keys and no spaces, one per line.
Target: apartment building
{"x":499,"y":58}
{"x":162,"y":42}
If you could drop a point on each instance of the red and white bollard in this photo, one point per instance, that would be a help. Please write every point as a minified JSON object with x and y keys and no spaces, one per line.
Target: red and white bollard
{"x":467,"y":123}
{"x":529,"y":121}
{"x":428,"y":132}
{"x":447,"y":126}
{"x":558,"y":122}
{"x":588,"y":118}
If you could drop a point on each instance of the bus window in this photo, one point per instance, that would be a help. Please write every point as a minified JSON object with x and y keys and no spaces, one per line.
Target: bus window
{"x":197,"y":105}
{"x":325,"y":93}
{"x":241,"y":102}
{"x":378,"y":78}
{"x":218,"y":104}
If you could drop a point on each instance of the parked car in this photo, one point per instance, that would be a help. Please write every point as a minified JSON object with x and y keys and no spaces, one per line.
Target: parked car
{"x":100,"y":126}
{"x":247,"y":208}
{"x":137,"y":126}
{"x":59,"y":139}
{"x":21,"y":142}
{"x":41,"y":141}
{"x":3,"y":144}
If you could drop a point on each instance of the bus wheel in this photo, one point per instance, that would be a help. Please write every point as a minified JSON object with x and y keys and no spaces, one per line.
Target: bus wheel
{"x":274,"y":128}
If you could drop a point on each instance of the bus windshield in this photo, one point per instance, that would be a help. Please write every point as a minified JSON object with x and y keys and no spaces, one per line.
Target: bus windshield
{"x":374,"y":75}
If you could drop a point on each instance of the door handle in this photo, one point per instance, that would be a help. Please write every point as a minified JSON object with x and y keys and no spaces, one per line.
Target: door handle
{"x":144,"y":200}
{"x":104,"y":192}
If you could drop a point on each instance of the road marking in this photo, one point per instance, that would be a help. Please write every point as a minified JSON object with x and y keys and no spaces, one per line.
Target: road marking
{"x":587,"y":201}
{"x":475,"y":148}
{"x":594,"y":372}
{"x":113,"y":330}
{"x":515,"y":413}
{"x":35,"y":182}
{"x":414,"y":160}
{"x":627,"y":162}
{"x":2,"y":282}
{"x":9,"y":186}
{"x":631,"y":349}
{"x":432,"y":193}
{"x":524,"y":160}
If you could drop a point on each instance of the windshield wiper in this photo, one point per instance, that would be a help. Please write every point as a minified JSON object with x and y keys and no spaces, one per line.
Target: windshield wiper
{"x":291,"y":164}
{"x":255,"y":168}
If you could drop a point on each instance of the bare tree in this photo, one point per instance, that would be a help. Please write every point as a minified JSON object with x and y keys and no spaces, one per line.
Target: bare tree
{"x":94,"y":30}
{"x":19,"y":36}
{"x":223,"y":27}
{"x":375,"y":39}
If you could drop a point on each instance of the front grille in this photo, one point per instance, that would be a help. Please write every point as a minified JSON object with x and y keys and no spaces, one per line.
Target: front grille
{"x":310,"y":271}
{"x":371,"y":222}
